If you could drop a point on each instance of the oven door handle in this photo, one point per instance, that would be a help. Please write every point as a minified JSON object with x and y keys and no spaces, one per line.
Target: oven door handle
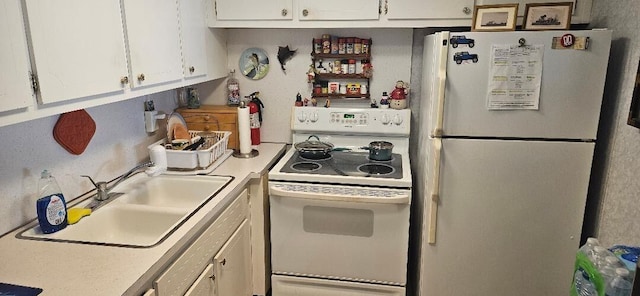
{"x":371,"y":196}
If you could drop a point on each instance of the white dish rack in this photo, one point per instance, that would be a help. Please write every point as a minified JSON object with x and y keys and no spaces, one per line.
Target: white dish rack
{"x":214,"y":147}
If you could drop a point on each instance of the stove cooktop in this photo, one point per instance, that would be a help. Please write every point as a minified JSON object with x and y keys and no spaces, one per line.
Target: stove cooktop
{"x":345,"y":163}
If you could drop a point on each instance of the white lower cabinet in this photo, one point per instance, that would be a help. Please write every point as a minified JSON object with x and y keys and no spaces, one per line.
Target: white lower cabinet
{"x":225,"y":238}
{"x":204,"y":285}
{"x":232,"y":265}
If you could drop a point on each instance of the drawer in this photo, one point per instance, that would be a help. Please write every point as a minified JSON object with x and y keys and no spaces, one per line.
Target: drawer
{"x":185,"y":270}
{"x":209,"y":118}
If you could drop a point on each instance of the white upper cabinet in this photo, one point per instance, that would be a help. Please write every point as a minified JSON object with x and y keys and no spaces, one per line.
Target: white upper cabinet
{"x":434,"y":9}
{"x":78,"y":48}
{"x":154,"y":41}
{"x":15,"y":87}
{"x":313,"y":10}
{"x":193,"y":28}
{"x":254,"y":9}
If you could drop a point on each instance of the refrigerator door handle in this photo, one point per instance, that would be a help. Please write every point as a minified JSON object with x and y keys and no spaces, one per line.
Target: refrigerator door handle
{"x":442,"y":78}
{"x":435,"y":191}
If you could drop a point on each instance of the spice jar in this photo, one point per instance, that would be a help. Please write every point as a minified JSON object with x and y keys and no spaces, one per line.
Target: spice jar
{"x":317,"y":45}
{"x":349,"y":46}
{"x":326,"y":43}
{"x":334,"y":45}
{"x":365,"y":46}
{"x":344,"y":66}
{"x":357,"y":46}
{"x":336,"y":67}
{"x":352,"y":66}
{"x":342,"y":46}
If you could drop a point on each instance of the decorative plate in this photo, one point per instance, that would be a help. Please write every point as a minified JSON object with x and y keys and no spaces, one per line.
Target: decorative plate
{"x":254,"y":63}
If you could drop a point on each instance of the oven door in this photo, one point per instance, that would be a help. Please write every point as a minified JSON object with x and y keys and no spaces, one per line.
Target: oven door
{"x":340,"y":232}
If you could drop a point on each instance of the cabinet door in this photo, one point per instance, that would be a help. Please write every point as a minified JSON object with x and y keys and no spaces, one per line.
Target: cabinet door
{"x":15,"y":88}
{"x":204,"y":285}
{"x":521,"y":3}
{"x":254,"y":10}
{"x":154,"y":41}
{"x":312,"y":10}
{"x":233,"y":264}
{"x":78,"y":48}
{"x":192,"y":32}
{"x":434,"y":9}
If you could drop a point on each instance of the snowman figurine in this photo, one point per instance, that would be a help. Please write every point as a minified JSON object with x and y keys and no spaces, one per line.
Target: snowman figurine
{"x":399,"y":95}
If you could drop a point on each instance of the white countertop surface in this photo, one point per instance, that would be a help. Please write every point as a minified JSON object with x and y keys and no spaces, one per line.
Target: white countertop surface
{"x":78,"y":269}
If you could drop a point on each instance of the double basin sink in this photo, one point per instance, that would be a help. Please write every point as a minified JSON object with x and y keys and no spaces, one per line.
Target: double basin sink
{"x":141,"y":212}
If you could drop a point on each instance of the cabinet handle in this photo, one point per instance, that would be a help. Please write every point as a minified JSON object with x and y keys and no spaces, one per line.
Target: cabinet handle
{"x":192,"y":69}
{"x":124,"y":79}
{"x":141,"y":77}
{"x":285,"y":12}
{"x":213,"y":277}
{"x":466,"y":10}
{"x":224,"y":261}
{"x":305,"y":12}
{"x":206,"y":128}
{"x":207,"y":117}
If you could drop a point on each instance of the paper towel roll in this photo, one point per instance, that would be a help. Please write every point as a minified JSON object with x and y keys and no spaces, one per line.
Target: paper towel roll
{"x":158,"y":155}
{"x":244,"y":130}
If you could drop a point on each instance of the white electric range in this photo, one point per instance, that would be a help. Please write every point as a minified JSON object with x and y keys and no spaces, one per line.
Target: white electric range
{"x":340,"y":225}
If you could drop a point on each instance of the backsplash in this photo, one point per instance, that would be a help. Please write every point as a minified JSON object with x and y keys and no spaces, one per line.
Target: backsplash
{"x":391,"y":59}
{"x":119,"y":143}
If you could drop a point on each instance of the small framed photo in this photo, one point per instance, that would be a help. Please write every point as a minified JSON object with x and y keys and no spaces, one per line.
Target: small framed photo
{"x":495,"y":17}
{"x":547,"y":16}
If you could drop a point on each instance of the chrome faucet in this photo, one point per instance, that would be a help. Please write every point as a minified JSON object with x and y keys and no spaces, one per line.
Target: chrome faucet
{"x":103,"y":188}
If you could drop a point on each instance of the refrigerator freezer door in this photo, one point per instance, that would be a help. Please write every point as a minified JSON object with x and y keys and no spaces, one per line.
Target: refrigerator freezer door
{"x":570,"y":95}
{"x":509,"y":218}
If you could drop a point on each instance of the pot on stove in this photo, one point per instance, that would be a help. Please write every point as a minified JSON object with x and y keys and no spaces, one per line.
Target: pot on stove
{"x":380,"y":150}
{"x":314,"y":148}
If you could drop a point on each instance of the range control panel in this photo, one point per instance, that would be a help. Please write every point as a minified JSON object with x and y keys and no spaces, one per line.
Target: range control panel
{"x":370,"y":121}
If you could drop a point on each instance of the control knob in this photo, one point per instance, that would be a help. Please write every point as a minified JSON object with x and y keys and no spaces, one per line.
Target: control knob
{"x":397,"y":119}
{"x":314,"y":117}
{"x":302,"y":117}
{"x":385,"y":119}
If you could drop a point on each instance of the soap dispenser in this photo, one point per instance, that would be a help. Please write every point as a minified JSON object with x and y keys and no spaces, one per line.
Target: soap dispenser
{"x":51,"y":206}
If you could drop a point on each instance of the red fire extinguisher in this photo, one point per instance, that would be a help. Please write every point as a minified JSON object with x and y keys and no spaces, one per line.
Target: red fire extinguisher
{"x":255,"y":116}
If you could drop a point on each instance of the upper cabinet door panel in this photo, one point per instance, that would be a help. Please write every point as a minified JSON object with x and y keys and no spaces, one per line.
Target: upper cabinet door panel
{"x":78,"y":47}
{"x":154,"y":41}
{"x":193,"y":28}
{"x":313,"y":10}
{"x":231,"y":10}
{"x":420,"y":9}
{"x":15,"y":89}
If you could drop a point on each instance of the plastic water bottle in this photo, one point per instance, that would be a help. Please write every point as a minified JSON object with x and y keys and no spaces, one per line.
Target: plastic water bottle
{"x":608,"y":269}
{"x":600,"y":253}
{"x":582,"y":283}
{"x":620,"y":285}
{"x":587,"y":248}
{"x":584,"y":287}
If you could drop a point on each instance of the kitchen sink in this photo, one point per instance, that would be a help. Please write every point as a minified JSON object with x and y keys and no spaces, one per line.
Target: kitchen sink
{"x":146,"y":211}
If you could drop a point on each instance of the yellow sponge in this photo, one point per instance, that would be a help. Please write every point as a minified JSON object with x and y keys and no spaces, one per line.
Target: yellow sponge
{"x":75,"y":214}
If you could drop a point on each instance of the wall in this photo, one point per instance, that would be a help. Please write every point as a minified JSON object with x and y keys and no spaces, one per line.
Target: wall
{"x":391,"y":61}
{"x":119,"y":143}
{"x":613,"y":205}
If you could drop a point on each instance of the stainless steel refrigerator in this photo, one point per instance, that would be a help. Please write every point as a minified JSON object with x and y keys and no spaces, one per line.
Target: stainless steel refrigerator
{"x":508,"y":126}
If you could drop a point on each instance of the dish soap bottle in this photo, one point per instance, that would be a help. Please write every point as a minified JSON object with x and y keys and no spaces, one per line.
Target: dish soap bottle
{"x":51,"y":206}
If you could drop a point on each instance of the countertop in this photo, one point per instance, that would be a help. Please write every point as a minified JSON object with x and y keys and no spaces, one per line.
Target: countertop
{"x":78,"y":269}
